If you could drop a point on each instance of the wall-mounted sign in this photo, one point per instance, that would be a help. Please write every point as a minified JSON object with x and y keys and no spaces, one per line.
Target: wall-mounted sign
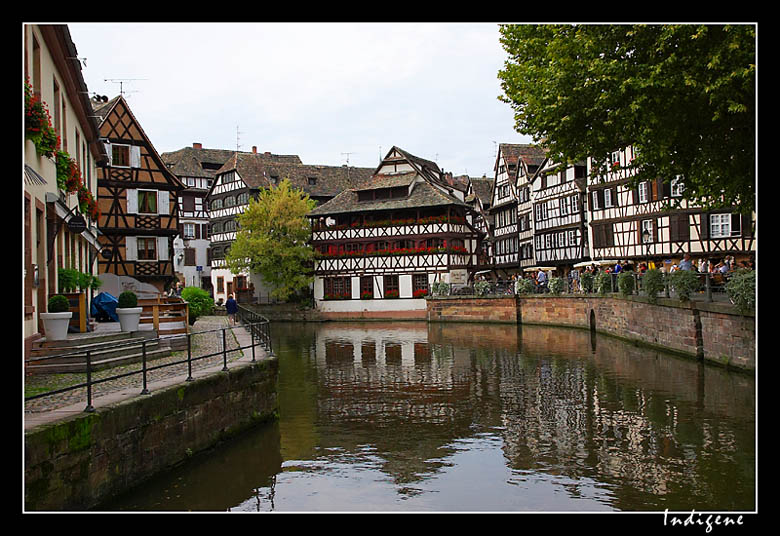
{"x":107,"y":253}
{"x":458,"y":277}
{"x":77,"y":224}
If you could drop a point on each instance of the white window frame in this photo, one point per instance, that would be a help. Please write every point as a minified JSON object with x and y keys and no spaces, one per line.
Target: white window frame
{"x":595,"y":201}
{"x":563,"y":204}
{"x":677,"y":186}
{"x":720,"y":225}
{"x":647,"y":225}
{"x":188,"y":230}
{"x":643,"y":192}
{"x":607,"y":198}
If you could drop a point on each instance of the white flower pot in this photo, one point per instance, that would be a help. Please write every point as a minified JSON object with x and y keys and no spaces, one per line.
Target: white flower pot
{"x":129,"y":318}
{"x":56,"y":325}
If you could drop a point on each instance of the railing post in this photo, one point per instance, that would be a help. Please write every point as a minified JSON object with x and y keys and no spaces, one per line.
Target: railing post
{"x":708,"y":286}
{"x":189,"y":357}
{"x":224,"y":352}
{"x":144,"y":391}
{"x":89,"y":408}
{"x":252,"y":334}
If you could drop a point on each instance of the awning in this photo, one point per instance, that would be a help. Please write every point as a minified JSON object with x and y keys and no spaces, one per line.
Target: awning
{"x":32,"y":177}
{"x":537,"y":268}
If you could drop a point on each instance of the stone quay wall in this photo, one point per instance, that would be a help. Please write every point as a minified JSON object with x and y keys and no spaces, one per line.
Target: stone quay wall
{"x":82,"y":461}
{"x":709,"y":331}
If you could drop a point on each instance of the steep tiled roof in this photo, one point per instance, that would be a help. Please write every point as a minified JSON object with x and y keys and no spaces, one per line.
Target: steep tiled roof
{"x":532,"y":155}
{"x":483,"y":188}
{"x":199,"y":162}
{"x":423,"y":194}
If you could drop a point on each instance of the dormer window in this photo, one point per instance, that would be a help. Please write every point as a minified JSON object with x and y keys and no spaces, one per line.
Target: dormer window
{"x":312,"y":181}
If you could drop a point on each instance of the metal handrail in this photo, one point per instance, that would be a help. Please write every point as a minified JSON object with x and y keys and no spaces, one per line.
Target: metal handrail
{"x":259,"y":328}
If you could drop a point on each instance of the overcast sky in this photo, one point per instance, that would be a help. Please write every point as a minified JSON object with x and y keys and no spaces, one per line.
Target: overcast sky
{"x":318,"y":90}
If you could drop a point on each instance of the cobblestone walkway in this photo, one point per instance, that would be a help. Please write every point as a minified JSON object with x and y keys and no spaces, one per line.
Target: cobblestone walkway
{"x":203,"y":343}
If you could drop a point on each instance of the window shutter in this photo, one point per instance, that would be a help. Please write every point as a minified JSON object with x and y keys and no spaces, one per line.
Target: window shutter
{"x":162,"y":248}
{"x":135,"y":156}
{"x":635,"y":195}
{"x":131,"y":248}
{"x":704,"y":226}
{"x":163,"y":202}
{"x":132,"y":201}
{"x":747,"y":225}
{"x":736,"y":225}
{"x":667,"y":189}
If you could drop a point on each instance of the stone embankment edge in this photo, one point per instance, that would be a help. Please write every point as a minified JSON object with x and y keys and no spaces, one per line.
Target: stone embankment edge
{"x":79,"y":461}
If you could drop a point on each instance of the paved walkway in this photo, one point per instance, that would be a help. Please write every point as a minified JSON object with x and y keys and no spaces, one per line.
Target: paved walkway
{"x":62,"y":405}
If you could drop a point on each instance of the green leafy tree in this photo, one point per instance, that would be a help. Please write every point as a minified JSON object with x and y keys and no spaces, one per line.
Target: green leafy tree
{"x":683,"y":95}
{"x":273,"y":240}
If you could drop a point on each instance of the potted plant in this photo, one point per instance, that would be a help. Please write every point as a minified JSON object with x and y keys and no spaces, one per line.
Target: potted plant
{"x":128,"y":311}
{"x":56,"y":321}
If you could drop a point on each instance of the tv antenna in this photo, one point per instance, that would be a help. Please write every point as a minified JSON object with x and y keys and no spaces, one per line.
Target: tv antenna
{"x":238,"y":137}
{"x":347,"y":157}
{"x":121,"y":82}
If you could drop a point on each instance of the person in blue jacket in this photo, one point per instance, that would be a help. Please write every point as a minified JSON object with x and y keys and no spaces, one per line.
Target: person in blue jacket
{"x":232,"y":308}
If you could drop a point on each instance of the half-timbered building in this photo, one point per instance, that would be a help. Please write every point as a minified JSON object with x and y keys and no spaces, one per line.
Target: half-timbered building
{"x":511,"y":206}
{"x":559,"y":217}
{"x":137,"y":196}
{"x":530,"y":158}
{"x":380,"y":247}
{"x":196,"y":167}
{"x":651,"y":222}
{"x":241,"y":178}
{"x":479,"y":197}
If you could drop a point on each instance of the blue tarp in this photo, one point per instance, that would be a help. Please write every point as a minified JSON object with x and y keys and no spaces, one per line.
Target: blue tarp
{"x":104,"y":307}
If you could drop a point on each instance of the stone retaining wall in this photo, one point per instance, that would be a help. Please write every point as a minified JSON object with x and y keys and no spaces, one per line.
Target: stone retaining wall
{"x":708,"y":331}
{"x":80,"y":462}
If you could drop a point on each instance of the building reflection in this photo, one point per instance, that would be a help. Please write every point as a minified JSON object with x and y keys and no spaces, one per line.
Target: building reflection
{"x":653,"y":429}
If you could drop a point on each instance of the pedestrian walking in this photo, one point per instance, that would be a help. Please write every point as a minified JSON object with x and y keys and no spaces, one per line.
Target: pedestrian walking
{"x":686,"y":263}
{"x":541,"y":278}
{"x":232,"y":308}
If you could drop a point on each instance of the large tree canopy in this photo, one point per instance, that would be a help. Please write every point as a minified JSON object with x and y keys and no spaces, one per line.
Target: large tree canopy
{"x":683,"y":95}
{"x":273,"y":240}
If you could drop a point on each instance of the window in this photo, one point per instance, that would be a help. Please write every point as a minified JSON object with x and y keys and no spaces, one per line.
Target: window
{"x":216,"y":203}
{"x":230,"y":201}
{"x":607,"y":198}
{"x":677,"y":186}
{"x":391,"y":285}
{"x":312,"y":181}
{"x":419,"y":285}
{"x":595,"y":202}
{"x":615,"y":157}
{"x":724,"y":225}
{"x":220,"y":284}
{"x":147,"y":202}
{"x":120,"y":155}
{"x":189,"y":256}
{"x":564,"y":206}
{"x":366,"y":287}
{"x":243,"y":199}
{"x":338,"y":287}
{"x":189,"y":230}
{"x":643,"y":192}
{"x":647,"y":231}
{"x":147,"y":248}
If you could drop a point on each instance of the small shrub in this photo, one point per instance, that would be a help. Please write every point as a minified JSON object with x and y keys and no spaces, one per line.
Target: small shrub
{"x":741,"y":290}
{"x":525,"y":286}
{"x":58,"y":304}
{"x":127,"y":300}
{"x":586,"y":279}
{"x":556,"y":285}
{"x":653,"y":283}
{"x":481,"y":288}
{"x":200,"y":303}
{"x":684,"y":283}
{"x":440,"y":288}
{"x":604,"y":283}
{"x":625,"y":283}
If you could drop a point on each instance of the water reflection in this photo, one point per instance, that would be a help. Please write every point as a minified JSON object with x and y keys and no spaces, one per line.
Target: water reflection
{"x":468,"y":417}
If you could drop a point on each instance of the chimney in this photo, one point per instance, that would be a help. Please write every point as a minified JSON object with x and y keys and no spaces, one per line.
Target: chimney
{"x":197,"y":146}
{"x":254,"y":149}
{"x":267,"y":153}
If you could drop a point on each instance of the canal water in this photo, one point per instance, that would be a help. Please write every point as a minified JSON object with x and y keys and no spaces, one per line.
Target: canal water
{"x":417,"y":417}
